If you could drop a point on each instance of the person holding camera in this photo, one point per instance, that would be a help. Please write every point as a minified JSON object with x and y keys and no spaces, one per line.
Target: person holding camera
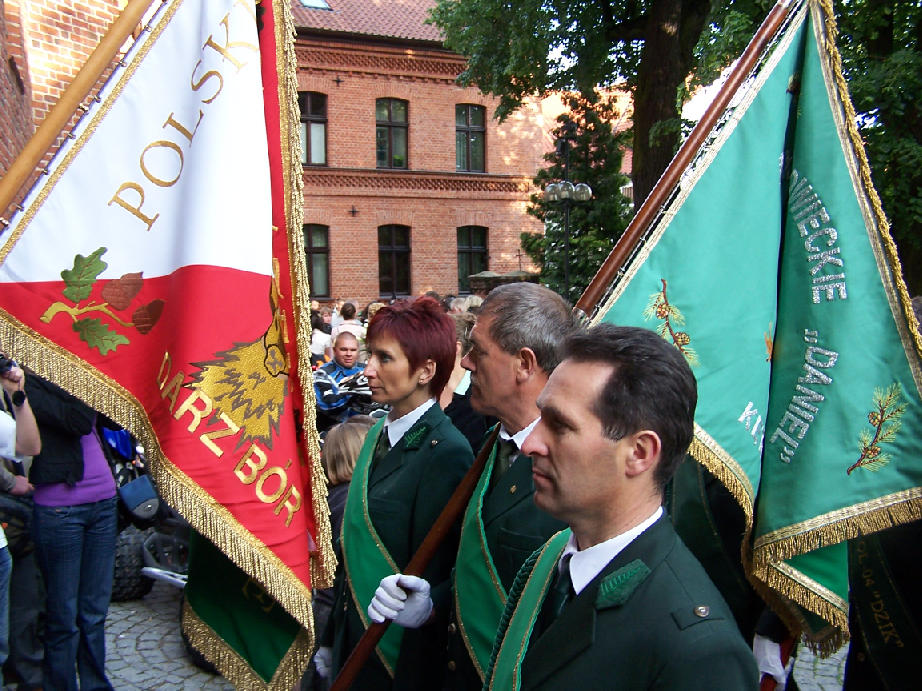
{"x":19,"y":439}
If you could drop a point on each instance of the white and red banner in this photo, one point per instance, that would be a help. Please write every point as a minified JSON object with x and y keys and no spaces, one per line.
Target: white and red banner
{"x":140,"y":275}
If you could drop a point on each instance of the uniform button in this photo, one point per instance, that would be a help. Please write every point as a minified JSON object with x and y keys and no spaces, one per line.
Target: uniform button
{"x":512,"y":489}
{"x":702,"y":611}
{"x":451,"y":665}
{"x":452,"y":628}
{"x":434,"y":442}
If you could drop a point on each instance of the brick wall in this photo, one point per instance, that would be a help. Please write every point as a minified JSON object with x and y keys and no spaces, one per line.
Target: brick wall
{"x":430,"y":197}
{"x":15,"y":89}
{"x":60,"y":37}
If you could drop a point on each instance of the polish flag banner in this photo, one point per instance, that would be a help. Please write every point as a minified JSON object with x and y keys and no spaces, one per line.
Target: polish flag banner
{"x":148,"y":274}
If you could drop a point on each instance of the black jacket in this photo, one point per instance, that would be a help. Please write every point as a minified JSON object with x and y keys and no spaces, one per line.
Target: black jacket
{"x":62,"y":419}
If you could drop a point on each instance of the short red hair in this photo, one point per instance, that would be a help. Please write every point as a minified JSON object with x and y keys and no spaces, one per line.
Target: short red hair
{"x":423,"y":331}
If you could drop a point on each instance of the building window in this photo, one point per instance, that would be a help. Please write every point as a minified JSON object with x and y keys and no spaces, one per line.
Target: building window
{"x":394,"y":261}
{"x":472,"y":254}
{"x":317,"y":251}
{"x":470,"y":137}
{"x":391,"y":132}
{"x":313,"y":107}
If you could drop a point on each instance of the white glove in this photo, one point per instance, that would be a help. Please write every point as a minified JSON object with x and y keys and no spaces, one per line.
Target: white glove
{"x":768,"y":657}
{"x":403,"y":599}
{"x":323,"y":660}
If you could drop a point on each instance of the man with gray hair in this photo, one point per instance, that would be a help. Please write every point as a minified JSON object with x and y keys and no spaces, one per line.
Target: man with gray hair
{"x":517,"y":343}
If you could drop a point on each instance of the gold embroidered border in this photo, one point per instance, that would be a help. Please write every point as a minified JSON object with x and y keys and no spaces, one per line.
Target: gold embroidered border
{"x":888,"y":260}
{"x":834,"y":527}
{"x":816,"y":598}
{"x":323,"y":562}
{"x":207,"y":641}
{"x":690,"y":178}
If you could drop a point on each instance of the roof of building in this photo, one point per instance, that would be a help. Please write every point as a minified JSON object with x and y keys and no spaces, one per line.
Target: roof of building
{"x":403,"y":19}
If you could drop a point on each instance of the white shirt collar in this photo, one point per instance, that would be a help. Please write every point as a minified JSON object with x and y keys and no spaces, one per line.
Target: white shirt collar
{"x":588,"y":563}
{"x":397,"y":428}
{"x":519,"y":437}
{"x":464,"y":384}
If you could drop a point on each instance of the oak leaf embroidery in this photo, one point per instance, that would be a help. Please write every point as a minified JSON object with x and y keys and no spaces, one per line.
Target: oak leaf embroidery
{"x":118,"y":294}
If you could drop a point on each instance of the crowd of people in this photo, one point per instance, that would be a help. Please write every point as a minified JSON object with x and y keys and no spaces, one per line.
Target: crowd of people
{"x":562,"y":570}
{"x":563,"y":547}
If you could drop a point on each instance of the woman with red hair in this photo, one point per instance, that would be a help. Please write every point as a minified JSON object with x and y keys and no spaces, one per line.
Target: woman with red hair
{"x":408,"y":468}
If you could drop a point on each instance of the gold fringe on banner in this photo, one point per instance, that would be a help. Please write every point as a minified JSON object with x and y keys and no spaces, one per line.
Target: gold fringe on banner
{"x":107,"y":396}
{"x":204,"y":639}
{"x":814,"y":597}
{"x":323,"y":563}
{"x":834,"y":527}
{"x":834,"y":63}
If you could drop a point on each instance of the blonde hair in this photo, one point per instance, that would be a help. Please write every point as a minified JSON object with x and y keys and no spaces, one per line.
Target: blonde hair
{"x":341,"y":447}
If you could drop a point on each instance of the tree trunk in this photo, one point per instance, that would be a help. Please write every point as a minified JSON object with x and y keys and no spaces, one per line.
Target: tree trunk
{"x":672,"y":30}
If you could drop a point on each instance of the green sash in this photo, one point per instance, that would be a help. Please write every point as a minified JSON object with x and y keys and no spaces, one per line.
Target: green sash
{"x":365,"y":558}
{"x":479,"y":594}
{"x":506,"y":672}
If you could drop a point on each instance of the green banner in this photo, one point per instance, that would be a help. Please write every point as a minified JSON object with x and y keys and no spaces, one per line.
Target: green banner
{"x":231,"y":619}
{"x":771,"y":268}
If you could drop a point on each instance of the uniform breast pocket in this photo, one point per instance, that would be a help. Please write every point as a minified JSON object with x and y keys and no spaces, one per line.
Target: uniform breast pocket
{"x":513,"y":549}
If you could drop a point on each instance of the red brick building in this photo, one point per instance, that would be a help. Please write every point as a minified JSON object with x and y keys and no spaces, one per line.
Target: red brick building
{"x":409,"y":182}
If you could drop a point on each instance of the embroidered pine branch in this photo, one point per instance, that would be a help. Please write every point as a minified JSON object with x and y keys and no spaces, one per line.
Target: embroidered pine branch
{"x":659,"y":307}
{"x":885,"y":419}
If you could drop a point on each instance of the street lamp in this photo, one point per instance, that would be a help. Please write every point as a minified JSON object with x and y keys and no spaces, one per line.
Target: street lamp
{"x":566,"y":193}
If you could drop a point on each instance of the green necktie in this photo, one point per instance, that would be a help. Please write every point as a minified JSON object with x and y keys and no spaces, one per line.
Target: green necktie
{"x":382,"y":447}
{"x":506,"y":450}
{"x":558,"y":596}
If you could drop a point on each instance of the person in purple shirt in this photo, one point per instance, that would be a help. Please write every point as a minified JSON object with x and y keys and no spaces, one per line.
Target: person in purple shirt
{"x":74,"y":530}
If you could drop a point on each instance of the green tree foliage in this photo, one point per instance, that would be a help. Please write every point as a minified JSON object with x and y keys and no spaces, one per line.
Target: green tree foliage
{"x":881,"y":46}
{"x":595,"y":153}
{"x":532,"y":47}
{"x":661,"y":49}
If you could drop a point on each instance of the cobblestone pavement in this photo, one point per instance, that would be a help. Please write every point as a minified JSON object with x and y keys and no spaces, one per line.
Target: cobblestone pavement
{"x":144,"y":651}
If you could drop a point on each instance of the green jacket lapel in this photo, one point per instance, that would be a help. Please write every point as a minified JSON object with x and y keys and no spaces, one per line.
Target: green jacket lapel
{"x":575,"y":629}
{"x":512,"y":488}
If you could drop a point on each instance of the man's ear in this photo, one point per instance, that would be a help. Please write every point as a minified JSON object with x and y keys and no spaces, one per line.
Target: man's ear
{"x":645,"y":453}
{"x":426,"y":371}
{"x":526,"y":364}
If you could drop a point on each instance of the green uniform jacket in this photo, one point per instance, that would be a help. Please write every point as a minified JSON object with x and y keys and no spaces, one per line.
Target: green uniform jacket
{"x":668,"y":630}
{"x":514,"y":528}
{"x":407,"y":490}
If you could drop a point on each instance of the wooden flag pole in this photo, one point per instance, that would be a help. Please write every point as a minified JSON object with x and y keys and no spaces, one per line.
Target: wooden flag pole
{"x":73,"y":96}
{"x":607,"y":273}
{"x":452,"y":511}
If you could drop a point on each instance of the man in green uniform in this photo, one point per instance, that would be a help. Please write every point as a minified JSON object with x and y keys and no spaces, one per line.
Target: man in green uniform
{"x":516,"y":345}
{"x":617,"y":600}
